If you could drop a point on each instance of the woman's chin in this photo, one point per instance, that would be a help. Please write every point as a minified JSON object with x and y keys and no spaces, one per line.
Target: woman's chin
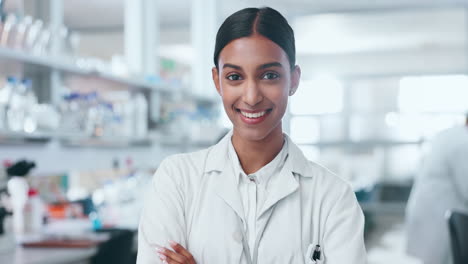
{"x":252,"y":134}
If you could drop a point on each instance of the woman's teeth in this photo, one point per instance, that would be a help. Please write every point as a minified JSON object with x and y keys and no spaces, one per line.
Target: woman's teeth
{"x":253,"y":115}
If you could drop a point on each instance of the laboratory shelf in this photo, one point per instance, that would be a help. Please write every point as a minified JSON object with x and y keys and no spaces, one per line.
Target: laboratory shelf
{"x":167,"y":140}
{"x":363,"y":143}
{"x":14,"y":138}
{"x":48,"y":62}
{"x":105,"y":142}
{"x":71,"y":139}
{"x":188,"y":144}
{"x":63,"y":65}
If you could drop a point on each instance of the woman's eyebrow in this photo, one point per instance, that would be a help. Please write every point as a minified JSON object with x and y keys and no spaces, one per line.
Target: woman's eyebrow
{"x":268,"y":65}
{"x":263,"y":66}
{"x":232,"y":66}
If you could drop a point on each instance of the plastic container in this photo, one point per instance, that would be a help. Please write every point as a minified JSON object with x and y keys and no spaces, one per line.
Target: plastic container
{"x":141,"y":116}
{"x":5,"y":92}
{"x":17,"y":108}
{"x":33,"y":213}
{"x":8,"y":31}
{"x":5,"y":97}
{"x":22,"y":29}
{"x":30,"y":122}
{"x":18,"y":189}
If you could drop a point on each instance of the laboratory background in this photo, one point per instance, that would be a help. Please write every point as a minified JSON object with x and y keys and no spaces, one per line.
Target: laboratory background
{"x":95,"y":94}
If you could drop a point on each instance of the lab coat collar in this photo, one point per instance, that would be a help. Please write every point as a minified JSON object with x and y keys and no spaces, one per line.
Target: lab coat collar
{"x":218,"y":159}
{"x":262,"y":175}
{"x":218,"y":156}
{"x":282,"y":186}
{"x":297,"y":162}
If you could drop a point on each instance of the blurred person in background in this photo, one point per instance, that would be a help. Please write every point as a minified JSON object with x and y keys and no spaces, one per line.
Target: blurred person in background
{"x":441,"y":185}
{"x":253,"y":197}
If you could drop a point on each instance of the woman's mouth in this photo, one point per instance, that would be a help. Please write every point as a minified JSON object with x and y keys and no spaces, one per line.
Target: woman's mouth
{"x":253,"y":117}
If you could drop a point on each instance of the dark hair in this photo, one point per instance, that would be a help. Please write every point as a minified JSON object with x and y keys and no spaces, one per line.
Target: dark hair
{"x":265,"y":21}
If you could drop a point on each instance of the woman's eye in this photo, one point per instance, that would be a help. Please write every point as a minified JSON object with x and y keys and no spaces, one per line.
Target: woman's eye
{"x":234,"y":77}
{"x":270,"y":76}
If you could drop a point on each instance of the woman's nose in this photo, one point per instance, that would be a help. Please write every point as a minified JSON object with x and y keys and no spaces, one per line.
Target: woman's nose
{"x":252,"y":94}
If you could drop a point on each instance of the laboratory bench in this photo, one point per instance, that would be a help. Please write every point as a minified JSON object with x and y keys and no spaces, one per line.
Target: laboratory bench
{"x":117,"y":247}
{"x":22,"y":255}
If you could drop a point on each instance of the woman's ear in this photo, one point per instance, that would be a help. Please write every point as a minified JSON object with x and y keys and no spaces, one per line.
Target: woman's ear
{"x":215,"y":76}
{"x":295,"y":77}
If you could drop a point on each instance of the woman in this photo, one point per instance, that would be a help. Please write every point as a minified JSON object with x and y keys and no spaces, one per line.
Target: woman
{"x":253,"y":197}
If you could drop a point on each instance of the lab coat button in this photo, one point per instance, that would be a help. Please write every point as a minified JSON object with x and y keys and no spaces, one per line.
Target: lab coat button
{"x":237,"y":236}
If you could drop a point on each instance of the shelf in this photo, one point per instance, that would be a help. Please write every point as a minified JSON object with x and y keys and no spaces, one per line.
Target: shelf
{"x":15,"y":138}
{"x":166,"y":140}
{"x":71,"y":140}
{"x":70,"y":67}
{"x":365,"y":143}
{"x":189,"y":144}
{"x":108,"y":142}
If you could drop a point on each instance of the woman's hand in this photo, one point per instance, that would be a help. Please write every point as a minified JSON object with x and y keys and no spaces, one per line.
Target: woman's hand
{"x":179,"y":256}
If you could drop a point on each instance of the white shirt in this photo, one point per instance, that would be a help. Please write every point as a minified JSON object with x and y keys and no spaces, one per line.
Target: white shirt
{"x":194,"y":199}
{"x":253,"y":188}
{"x":441,"y":184}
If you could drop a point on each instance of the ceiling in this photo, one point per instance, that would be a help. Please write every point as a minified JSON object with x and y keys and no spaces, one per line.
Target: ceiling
{"x":87,"y":14}
{"x":396,"y":30}
{"x":322,"y":26}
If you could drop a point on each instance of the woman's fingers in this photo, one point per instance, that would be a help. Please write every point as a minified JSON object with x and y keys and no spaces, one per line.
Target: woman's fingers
{"x":182,"y":251}
{"x":162,"y":257}
{"x":171,"y":257}
{"x":179,"y":256}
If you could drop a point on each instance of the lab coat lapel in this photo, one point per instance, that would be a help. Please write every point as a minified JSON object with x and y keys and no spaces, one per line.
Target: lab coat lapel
{"x":224,"y":178}
{"x":281,"y":187}
{"x":226,"y":188}
{"x":286,"y":183}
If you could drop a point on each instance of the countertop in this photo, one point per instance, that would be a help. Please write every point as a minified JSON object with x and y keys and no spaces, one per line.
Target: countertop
{"x":48,"y":255}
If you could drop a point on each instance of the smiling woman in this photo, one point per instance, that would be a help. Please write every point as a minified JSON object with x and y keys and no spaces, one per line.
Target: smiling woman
{"x":254,"y":80}
{"x":253,"y":197}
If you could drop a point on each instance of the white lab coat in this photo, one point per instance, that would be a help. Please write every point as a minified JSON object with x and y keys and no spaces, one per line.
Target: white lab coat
{"x":195,"y":201}
{"x":441,"y":184}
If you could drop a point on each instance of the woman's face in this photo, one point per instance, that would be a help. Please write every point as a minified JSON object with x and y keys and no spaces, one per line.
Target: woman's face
{"x":254,"y":79}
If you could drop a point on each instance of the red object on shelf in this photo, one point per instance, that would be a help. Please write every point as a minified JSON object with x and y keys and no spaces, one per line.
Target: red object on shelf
{"x":7,"y":163}
{"x":32,"y":192}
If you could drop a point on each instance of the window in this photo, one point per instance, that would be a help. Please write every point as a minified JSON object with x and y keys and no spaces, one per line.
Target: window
{"x":434,"y":94}
{"x":322,"y":95}
{"x":305,"y":129}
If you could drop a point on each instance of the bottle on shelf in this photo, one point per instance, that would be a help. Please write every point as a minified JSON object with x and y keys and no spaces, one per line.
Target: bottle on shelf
{"x":8,"y":31}
{"x":30,"y":122}
{"x":22,"y":30}
{"x":34,"y":212}
{"x":22,"y":100}
{"x":33,"y":34}
{"x":141,"y":116}
{"x":5,"y":98}
{"x":125,"y":110}
{"x":42,"y":45}
{"x":18,"y":188}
